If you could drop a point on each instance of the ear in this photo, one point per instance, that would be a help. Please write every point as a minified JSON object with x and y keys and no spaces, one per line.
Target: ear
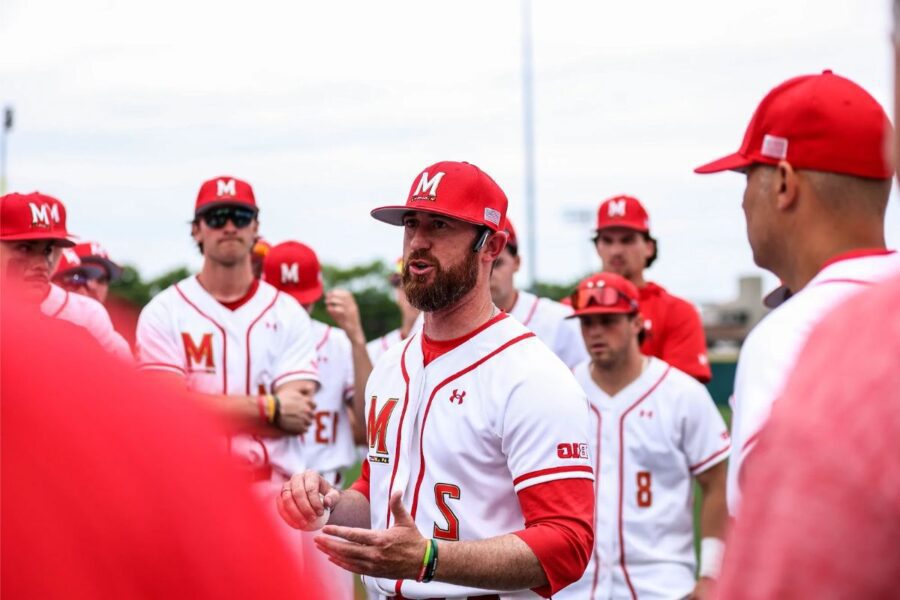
{"x":195,"y":231}
{"x":517,"y":263}
{"x":494,"y":245}
{"x":786,"y":183}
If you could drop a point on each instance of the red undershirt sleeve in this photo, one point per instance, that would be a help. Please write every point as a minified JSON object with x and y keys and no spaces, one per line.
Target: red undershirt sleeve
{"x":361,"y":485}
{"x":559,"y":529}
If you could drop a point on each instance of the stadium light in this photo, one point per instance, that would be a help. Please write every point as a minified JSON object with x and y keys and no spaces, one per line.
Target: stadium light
{"x":8,"y":119}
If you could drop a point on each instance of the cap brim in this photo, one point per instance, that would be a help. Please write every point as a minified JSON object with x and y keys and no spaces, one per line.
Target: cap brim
{"x":601,"y":310}
{"x":393,"y":215}
{"x":91,"y":271}
{"x":216,"y":204}
{"x":732,"y":162}
{"x":62,"y":241}
{"x":115,"y":271}
{"x":305,"y":297}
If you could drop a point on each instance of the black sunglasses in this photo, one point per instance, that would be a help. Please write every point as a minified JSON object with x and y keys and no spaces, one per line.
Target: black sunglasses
{"x":216,"y":218}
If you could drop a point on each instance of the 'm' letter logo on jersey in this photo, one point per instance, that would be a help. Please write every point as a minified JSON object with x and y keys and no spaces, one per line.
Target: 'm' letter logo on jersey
{"x":427,"y":188}
{"x":377,"y":428}
{"x":573,"y":450}
{"x":199,"y":358}
{"x":290,"y":273}
{"x":617,"y":208}
{"x":41,"y":215}
{"x":225,"y":187}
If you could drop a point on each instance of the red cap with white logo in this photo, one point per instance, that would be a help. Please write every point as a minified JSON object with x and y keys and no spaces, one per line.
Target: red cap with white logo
{"x":458,"y":190}
{"x":224,"y":190}
{"x":819,"y":122}
{"x":512,"y":240}
{"x":33,"y":216}
{"x":623,"y":211}
{"x":294,"y":269}
{"x":92,"y":253}
{"x":70,"y":261}
{"x":605,"y":293}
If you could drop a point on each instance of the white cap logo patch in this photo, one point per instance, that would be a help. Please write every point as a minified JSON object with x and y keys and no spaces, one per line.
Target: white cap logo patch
{"x":492,"y":216}
{"x":290,"y":273}
{"x":225,"y":187}
{"x":616,"y":208}
{"x":774,"y":147}
{"x":427,"y":188}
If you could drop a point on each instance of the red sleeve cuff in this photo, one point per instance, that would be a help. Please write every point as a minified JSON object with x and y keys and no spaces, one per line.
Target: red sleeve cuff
{"x":361,"y":485}
{"x":559,"y":529}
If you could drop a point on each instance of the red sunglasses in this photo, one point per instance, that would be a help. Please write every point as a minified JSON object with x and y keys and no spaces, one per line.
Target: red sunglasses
{"x":601,"y":296}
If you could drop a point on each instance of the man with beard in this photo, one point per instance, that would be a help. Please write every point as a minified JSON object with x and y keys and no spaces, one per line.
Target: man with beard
{"x":32,"y":237}
{"x":656,"y":431}
{"x":244,"y":348}
{"x":477,"y":482}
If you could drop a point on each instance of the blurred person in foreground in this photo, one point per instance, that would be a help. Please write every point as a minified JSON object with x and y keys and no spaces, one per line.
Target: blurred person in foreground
{"x":817,"y":188}
{"x":656,"y":432}
{"x":106,"y":495}
{"x":545,"y":317}
{"x":33,"y":235}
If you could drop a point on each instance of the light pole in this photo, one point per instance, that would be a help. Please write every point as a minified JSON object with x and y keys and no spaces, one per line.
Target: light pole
{"x":7,"y":127}
{"x":528,"y":131}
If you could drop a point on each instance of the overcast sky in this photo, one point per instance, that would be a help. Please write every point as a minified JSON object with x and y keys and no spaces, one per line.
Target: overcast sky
{"x":331,"y":108}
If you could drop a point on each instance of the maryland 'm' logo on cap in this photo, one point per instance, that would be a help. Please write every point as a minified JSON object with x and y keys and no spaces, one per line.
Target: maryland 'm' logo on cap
{"x":226,"y":187}
{"x":426,"y":190}
{"x":42,"y":215}
{"x":290,"y":273}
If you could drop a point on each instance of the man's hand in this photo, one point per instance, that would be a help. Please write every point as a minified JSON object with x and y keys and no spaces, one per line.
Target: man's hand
{"x":299,"y":502}
{"x":297,"y":406}
{"x":704,"y":590}
{"x":342,"y":307}
{"x":395,"y":553}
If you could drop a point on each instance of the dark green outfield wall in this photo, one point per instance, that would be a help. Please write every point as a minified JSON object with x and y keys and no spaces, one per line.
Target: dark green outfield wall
{"x":722,"y":383}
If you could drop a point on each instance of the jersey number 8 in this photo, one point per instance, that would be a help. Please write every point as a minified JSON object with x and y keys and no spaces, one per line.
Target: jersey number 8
{"x":644,"y":494}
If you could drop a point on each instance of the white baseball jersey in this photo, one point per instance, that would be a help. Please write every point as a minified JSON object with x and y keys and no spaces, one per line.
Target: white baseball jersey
{"x":770,"y":351}
{"x":252,"y":350}
{"x":377,"y":347}
{"x":462,"y":435}
{"x":648,"y":441}
{"x":328,"y":445}
{"x":547,"y":319}
{"x":89,"y":314}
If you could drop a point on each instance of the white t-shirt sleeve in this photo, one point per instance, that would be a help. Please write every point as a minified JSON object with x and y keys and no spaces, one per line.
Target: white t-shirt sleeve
{"x":157,"y":345}
{"x":544,"y":428}
{"x":704,"y":435}
{"x":297,"y":358}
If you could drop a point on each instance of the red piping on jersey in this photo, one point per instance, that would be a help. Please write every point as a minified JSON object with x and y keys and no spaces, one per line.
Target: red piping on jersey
{"x":61,"y":306}
{"x":750,"y":441}
{"x":283,"y":375}
{"x":858,"y":253}
{"x":845,"y":280}
{"x":156,"y":365}
{"x":247,"y":337}
{"x":399,"y":430}
{"x":476,"y":364}
{"x":531,"y":312}
{"x":550,"y":471}
{"x":224,"y":338}
{"x":622,"y":475}
{"x":324,"y":338}
{"x":709,"y":458}
{"x":596,"y":493}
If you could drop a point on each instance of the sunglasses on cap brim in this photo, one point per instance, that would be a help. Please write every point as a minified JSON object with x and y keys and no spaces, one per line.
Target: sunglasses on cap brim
{"x":602,"y":297}
{"x":216,"y":218}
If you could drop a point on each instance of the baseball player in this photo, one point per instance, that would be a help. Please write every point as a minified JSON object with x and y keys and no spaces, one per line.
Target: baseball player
{"x":543,"y":316}
{"x":87,"y":269}
{"x":411,"y":319}
{"x":817,"y":190}
{"x":32,"y":236}
{"x":674,"y":331}
{"x":655,"y":430}
{"x":330,"y":444}
{"x":477,"y":484}
{"x":245,"y":349}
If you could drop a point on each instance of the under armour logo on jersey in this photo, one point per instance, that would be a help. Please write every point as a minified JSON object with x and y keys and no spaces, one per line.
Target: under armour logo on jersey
{"x":616,"y":208}
{"x":647,"y":414}
{"x":457,"y":397}
{"x":427,"y":188}
{"x":41,"y":215}
{"x":225,"y":187}
{"x":290,"y":273}
{"x":273,"y":325}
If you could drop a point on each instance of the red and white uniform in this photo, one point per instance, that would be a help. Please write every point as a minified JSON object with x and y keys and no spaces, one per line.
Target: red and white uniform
{"x":89,"y":314}
{"x":328,"y":445}
{"x":377,"y":347}
{"x":547,"y":319}
{"x":770,"y":351}
{"x":253,"y":349}
{"x":467,"y":436}
{"x":648,"y":442}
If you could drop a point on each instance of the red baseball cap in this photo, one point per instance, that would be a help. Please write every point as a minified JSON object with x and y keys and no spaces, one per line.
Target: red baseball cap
{"x":820,"y":122}
{"x":71,"y":262}
{"x":294,"y":268}
{"x":605,"y":293}
{"x":623,"y":211}
{"x":92,"y":253}
{"x":453,"y":189}
{"x":33,"y":216}
{"x":224,"y":190}
{"x":512,"y":240}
